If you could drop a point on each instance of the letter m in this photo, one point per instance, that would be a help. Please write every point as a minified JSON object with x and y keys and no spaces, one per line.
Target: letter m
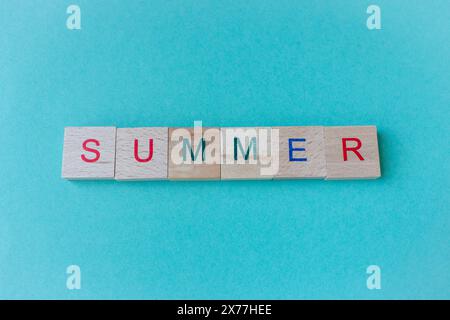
{"x":194,"y":156}
{"x":246,"y":154}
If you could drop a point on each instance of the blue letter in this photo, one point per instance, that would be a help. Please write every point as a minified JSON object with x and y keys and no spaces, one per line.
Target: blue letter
{"x":292,"y":149}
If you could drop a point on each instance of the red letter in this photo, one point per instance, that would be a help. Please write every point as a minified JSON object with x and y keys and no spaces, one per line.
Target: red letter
{"x":353,"y":149}
{"x":86,"y":148}
{"x":150,"y":152}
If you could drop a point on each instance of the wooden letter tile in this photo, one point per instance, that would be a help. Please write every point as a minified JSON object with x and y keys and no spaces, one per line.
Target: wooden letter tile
{"x":194,"y":153}
{"x":247,"y":153}
{"x":302,"y":153}
{"x":352,"y":152}
{"x":141,"y":153}
{"x":89,"y":153}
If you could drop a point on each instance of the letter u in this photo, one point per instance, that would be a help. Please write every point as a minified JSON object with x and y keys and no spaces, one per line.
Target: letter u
{"x":136,"y":151}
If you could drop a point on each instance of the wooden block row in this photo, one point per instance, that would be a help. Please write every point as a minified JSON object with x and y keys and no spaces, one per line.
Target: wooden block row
{"x":198,"y":153}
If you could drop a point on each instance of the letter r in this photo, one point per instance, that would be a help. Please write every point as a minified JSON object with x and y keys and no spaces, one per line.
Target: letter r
{"x":354,"y":149}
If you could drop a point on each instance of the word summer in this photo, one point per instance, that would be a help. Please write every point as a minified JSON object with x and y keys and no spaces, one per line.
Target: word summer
{"x":196,"y":153}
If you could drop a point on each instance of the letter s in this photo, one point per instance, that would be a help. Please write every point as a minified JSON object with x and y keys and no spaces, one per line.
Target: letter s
{"x":95,"y":151}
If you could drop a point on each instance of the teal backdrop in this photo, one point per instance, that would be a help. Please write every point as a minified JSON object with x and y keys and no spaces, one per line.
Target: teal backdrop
{"x":227,"y":63}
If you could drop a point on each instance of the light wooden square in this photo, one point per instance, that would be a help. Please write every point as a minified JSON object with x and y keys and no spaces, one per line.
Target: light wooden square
{"x":353,"y":167}
{"x":96,"y":159}
{"x":186,"y":169}
{"x":258,"y":164}
{"x":140,"y":164}
{"x":301,"y":153}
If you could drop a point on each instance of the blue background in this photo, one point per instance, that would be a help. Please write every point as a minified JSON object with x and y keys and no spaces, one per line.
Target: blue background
{"x":227,"y":63}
